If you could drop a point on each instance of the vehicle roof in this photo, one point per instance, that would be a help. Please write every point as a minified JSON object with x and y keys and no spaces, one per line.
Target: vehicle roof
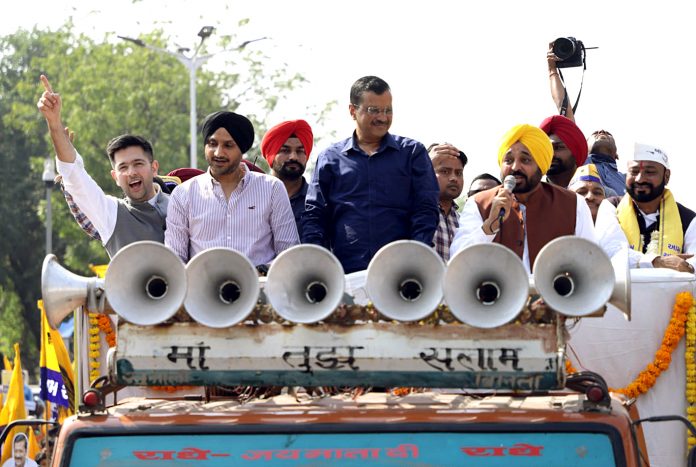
{"x":373,"y":407}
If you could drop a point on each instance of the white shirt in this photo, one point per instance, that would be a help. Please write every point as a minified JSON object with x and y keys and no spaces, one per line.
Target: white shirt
{"x":610,"y":235}
{"x":27,"y":463}
{"x":471,"y":233}
{"x":99,"y":207}
{"x":690,"y":242}
{"x":256,"y":220}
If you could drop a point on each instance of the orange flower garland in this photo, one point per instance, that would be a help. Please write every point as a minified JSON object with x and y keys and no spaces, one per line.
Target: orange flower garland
{"x":98,"y":323}
{"x":690,"y":357}
{"x":663,"y":356}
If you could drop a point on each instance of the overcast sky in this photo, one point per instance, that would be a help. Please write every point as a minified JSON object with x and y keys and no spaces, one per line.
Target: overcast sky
{"x":461,"y":72}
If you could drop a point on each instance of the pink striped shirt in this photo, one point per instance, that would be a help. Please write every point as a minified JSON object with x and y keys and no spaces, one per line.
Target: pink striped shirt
{"x":256,"y":220}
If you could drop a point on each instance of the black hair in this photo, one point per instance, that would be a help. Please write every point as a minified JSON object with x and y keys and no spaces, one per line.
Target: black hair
{"x":126,"y":141}
{"x":162,"y":184}
{"x":485,"y":176}
{"x":367,"y":84}
{"x":21,"y":438}
{"x":461,"y":156}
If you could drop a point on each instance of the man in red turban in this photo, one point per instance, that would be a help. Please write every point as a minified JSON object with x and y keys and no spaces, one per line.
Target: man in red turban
{"x":286,"y":147}
{"x":569,"y":149}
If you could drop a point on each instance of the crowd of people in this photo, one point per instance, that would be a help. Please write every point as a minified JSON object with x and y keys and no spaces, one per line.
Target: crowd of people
{"x":375,"y":187}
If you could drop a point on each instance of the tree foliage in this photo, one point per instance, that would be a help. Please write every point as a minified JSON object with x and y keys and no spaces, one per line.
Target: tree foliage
{"x":108,"y":87}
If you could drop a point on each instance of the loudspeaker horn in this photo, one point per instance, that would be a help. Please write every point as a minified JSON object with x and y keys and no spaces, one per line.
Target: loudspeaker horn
{"x":621,"y":295}
{"x":486,"y":285}
{"x":305,"y":283}
{"x":62,"y":291}
{"x":404,"y":280}
{"x":145,"y":283}
{"x":223,"y":287}
{"x":574,"y":276}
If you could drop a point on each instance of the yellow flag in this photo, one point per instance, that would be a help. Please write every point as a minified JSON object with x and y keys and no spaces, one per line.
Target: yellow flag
{"x":99,"y":270}
{"x":8,"y":365}
{"x":14,"y":405}
{"x":56,"y":370}
{"x":34,"y":447}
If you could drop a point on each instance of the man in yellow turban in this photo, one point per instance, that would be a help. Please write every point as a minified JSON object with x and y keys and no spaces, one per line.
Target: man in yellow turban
{"x":530,"y":215}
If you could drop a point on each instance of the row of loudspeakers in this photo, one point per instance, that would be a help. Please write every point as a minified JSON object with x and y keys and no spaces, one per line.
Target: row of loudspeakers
{"x":483,"y":285}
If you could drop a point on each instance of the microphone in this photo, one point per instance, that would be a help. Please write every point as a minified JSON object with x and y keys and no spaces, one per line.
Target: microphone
{"x":508,"y":185}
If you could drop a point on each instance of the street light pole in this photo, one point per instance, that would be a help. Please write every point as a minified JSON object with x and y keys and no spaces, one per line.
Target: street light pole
{"x":192,"y":64}
{"x":48,"y":176}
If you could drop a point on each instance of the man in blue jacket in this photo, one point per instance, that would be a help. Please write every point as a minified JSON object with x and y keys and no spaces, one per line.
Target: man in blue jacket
{"x":372,"y":188}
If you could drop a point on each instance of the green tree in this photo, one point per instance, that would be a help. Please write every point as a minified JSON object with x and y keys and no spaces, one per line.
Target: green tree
{"x":14,"y":326}
{"x":108,"y":88}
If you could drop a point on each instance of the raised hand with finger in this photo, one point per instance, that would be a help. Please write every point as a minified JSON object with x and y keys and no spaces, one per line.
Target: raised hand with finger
{"x":50,"y":104}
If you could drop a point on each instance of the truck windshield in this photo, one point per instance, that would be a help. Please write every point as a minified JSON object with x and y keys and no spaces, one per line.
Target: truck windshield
{"x":347,"y":449}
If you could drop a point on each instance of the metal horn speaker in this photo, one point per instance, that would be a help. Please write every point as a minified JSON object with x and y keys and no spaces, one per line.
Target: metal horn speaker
{"x":62,"y":291}
{"x":574,"y":276}
{"x":621,"y":295}
{"x":305,"y":283}
{"x":145,"y":283}
{"x":223,"y":287}
{"x":486,"y":285}
{"x":404,"y":280}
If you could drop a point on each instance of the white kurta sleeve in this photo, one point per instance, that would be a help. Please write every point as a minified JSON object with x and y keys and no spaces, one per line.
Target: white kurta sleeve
{"x":690,"y":242}
{"x":469,"y":231}
{"x":99,"y":207}
{"x":584,"y":226}
{"x":608,"y":230}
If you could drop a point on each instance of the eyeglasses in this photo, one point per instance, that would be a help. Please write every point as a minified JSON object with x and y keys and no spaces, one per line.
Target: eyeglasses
{"x":388,"y":111}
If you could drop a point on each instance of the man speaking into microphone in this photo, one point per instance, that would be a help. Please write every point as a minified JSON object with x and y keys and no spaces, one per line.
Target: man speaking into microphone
{"x":529,"y":214}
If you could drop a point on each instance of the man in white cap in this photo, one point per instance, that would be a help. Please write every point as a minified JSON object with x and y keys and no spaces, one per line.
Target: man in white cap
{"x":661,"y":231}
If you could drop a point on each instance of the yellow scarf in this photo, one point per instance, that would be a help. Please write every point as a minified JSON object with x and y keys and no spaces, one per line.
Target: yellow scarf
{"x":671,"y":235}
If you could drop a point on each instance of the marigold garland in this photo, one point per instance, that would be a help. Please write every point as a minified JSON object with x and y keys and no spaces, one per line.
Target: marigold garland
{"x":98,"y":323}
{"x":663,"y":356}
{"x":691,"y":371}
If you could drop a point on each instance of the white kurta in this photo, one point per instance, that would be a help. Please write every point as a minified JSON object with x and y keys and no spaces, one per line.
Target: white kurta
{"x":471,"y":233}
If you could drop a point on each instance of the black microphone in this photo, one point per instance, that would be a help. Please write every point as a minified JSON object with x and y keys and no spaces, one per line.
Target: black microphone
{"x":508,"y":185}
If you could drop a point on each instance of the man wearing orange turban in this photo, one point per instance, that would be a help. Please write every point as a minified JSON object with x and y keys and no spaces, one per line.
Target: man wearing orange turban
{"x":534,"y":212}
{"x":286,"y":147}
{"x":569,"y":149}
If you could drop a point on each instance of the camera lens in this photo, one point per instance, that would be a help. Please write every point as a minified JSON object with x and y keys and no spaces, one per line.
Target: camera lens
{"x":564,"y":47}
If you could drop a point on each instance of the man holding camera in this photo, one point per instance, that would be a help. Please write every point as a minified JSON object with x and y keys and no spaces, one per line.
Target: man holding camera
{"x":564,"y":52}
{"x":601,"y":144}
